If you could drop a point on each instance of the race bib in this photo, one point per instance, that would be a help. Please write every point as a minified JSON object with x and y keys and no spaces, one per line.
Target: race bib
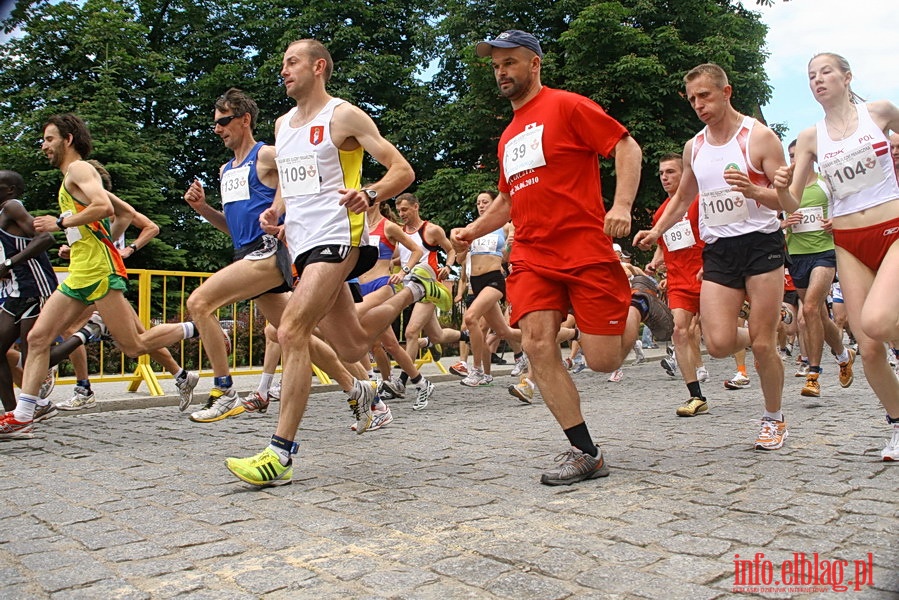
{"x":486,"y":244}
{"x":298,"y":175}
{"x":235,"y":185}
{"x":73,"y":234}
{"x":524,"y":151}
{"x":723,"y":206}
{"x":374,"y":240}
{"x":851,"y":173}
{"x":679,"y":236}
{"x":812,"y":219}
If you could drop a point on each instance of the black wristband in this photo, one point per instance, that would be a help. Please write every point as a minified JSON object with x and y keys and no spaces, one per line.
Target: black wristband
{"x":59,"y":222}
{"x":133,"y":247}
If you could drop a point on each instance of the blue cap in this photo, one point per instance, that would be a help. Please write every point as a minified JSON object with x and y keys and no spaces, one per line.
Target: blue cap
{"x":510,"y":39}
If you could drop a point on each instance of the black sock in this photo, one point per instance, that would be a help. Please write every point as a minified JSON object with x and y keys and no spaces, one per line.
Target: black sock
{"x":404,"y":377}
{"x":517,"y":355}
{"x":464,"y":337}
{"x":579,"y":437}
{"x":415,"y":380}
{"x":85,"y":383}
{"x":641,"y":304}
{"x":695,"y":391}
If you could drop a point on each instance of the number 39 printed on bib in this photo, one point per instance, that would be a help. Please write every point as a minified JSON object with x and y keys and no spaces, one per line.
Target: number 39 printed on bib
{"x":524,"y":151}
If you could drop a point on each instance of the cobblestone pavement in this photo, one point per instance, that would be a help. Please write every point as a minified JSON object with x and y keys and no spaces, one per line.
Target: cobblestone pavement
{"x":446,"y":502}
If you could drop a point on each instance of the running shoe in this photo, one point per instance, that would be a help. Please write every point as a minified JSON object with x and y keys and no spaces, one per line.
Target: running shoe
{"x":262,"y":470}
{"x":890,"y":452}
{"x":702,"y":374}
{"x":474,"y":379}
{"x":97,"y":328}
{"x":523,"y":390}
{"x":11,"y":429}
{"x":255,"y":403}
{"x":745,"y":310}
{"x":186,"y":387}
{"x":802,"y":369}
{"x":391,"y":388}
{"x":578,"y":363}
{"x":360,"y":399}
{"x":49,"y":382}
{"x":487,"y":380}
{"x":640,"y":357}
{"x":738,"y":382}
{"x":435,"y":292}
{"x":81,"y":398}
{"x":380,"y":416}
{"x":274,"y":392}
{"x":846,"y":376}
{"x":521,"y":366}
{"x":460,"y":369}
{"x":659,"y":318}
{"x":669,"y":363}
{"x":617,"y":376}
{"x":425,"y":390}
{"x":575,"y":466}
{"x":786,"y":315}
{"x":644,"y":283}
{"x":692,"y":407}
{"x":771,"y":435}
{"x":220,"y":405}
{"x":436,"y":351}
{"x":42,"y":413}
{"x":812,"y":388}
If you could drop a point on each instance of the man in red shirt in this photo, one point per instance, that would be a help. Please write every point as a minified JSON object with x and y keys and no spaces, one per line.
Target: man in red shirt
{"x":562,"y":257}
{"x":681,"y":252}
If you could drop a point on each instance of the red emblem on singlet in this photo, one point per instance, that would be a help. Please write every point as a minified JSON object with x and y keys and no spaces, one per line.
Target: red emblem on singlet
{"x":316,"y":135}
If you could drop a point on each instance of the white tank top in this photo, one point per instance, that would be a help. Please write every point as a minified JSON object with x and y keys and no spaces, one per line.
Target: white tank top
{"x":723,"y":212}
{"x":858,"y":169}
{"x":311,"y":170}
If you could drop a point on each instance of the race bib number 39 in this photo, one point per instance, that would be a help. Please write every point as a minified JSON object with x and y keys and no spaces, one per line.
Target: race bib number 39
{"x":524,"y":151}
{"x":723,"y":207}
{"x":853,"y":172}
{"x":298,"y":174}
{"x":236,"y":185}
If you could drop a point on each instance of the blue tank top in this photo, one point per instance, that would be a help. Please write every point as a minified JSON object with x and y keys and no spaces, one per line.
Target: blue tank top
{"x":244,"y":198}
{"x":33,"y":278}
{"x":492,"y":243}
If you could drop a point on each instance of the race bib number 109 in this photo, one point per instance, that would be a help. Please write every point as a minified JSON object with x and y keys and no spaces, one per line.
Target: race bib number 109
{"x":298,"y":175}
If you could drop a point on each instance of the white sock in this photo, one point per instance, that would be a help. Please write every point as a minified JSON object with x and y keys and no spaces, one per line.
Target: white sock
{"x":25,"y":408}
{"x":778,"y":416}
{"x":188,"y":329}
{"x":265,"y":382}
{"x":283,"y":455}
{"x":844,"y":357}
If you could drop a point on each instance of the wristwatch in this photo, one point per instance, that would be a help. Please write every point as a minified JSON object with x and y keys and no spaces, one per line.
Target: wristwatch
{"x":406,"y":269}
{"x":372,"y":196}
{"x":59,"y":222}
{"x":7,"y":263}
{"x":133,"y":247}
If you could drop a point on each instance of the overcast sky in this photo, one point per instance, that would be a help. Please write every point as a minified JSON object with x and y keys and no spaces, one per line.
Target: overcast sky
{"x":866,"y":32}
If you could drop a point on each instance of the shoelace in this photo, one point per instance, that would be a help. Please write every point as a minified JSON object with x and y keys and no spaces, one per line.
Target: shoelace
{"x":769,"y":430}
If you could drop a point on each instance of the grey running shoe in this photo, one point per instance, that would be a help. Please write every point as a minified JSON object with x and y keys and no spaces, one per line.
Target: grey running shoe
{"x":575,"y":466}
{"x":49,"y":382}
{"x":659,"y":318}
{"x":521,"y":366}
{"x":186,"y":387}
{"x":98,"y":329}
{"x":425,"y":391}
{"x":220,"y":405}
{"x":391,"y":388}
{"x":360,"y":399}
{"x":474,"y":379}
{"x":42,"y":413}
{"x":669,"y":363}
{"x":82,"y":398}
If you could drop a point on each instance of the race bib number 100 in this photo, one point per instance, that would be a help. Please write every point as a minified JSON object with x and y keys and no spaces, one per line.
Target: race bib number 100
{"x":723,"y":206}
{"x":524,"y":151}
{"x":298,"y":175}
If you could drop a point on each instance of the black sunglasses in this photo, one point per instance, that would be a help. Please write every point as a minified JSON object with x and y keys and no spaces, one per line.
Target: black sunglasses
{"x":225,"y":121}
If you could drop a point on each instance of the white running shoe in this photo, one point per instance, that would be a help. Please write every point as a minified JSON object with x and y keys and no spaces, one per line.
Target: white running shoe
{"x":738,"y":382}
{"x":521,"y":366}
{"x":82,"y":398}
{"x":49,"y":382}
{"x":617,"y":376}
{"x":186,"y":389}
{"x":702,"y":374}
{"x":474,"y":379}
{"x":891,"y":450}
{"x":425,"y":389}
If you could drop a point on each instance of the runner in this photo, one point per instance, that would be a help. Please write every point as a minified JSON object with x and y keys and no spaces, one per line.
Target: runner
{"x":562,"y":256}
{"x":730,"y":163}
{"x":851,"y":148}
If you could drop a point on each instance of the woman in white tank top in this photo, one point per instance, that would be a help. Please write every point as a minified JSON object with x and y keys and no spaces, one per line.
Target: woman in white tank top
{"x":852,"y":149}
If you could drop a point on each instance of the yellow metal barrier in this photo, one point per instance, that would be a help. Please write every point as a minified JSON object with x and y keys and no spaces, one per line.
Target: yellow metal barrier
{"x":154,"y":309}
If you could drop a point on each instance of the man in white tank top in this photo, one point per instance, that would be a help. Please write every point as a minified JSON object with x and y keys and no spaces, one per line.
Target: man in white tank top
{"x":730,"y":164}
{"x":320,"y":145}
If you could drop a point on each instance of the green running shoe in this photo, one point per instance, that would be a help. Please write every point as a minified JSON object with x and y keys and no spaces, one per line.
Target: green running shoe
{"x":263,"y":470}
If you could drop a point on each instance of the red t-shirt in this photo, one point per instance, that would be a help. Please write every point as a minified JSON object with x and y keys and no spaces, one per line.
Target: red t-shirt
{"x":557,"y":206}
{"x":683,"y":264}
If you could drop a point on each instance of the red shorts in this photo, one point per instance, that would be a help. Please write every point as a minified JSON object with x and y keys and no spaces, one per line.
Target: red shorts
{"x":688,"y":301}
{"x":868,"y":244}
{"x":599,"y":294}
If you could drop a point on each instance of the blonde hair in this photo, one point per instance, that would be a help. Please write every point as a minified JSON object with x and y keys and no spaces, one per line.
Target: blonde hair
{"x":843,"y":67}
{"x":714,"y":72}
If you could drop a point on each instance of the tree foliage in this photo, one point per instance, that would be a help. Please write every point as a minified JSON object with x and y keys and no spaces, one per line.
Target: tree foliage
{"x":145,"y":74}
